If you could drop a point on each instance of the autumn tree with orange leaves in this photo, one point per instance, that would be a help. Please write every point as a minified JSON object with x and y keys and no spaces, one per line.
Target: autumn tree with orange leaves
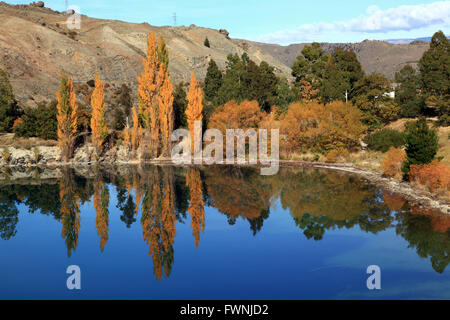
{"x":98,"y":123}
{"x":194,"y":108}
{"x":156,"y":98}
{"x":393,"y":162}
{"x":165,"y":99}
{"x":67,"y":117}
{"x":148,"y":90}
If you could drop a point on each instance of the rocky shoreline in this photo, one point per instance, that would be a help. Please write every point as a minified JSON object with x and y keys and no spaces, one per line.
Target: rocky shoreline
{"x":47,"y":159}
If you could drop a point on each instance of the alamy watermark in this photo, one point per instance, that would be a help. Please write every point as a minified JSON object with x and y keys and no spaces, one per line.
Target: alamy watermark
{"x":213,"y":153}
{"x":374,"y":281}
{"x":74,"y":280}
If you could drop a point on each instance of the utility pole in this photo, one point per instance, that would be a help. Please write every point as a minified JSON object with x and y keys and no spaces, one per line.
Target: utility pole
{"x":174,"y":19}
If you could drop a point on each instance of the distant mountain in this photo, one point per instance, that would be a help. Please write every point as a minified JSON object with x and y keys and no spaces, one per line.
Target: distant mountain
{"x":375,"y":56}
{"x":406,"y":41}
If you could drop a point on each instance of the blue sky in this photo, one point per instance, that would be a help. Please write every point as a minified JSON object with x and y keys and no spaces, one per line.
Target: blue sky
{"x":282,"y":21}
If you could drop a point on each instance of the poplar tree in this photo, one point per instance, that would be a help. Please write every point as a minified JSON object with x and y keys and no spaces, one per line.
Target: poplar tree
{"x":194,"y":108}
{"x":148,"y":106}
{"x":67,"y":117}
{"x":98,"y":123}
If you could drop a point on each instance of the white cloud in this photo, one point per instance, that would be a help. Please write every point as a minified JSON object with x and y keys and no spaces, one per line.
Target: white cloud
{"x":402,"y":18}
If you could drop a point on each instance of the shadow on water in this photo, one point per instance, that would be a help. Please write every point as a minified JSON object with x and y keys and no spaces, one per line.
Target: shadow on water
{"x":158,"y":198}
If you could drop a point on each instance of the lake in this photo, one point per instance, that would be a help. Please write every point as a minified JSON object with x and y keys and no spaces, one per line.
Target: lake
{"x":162,"y":232}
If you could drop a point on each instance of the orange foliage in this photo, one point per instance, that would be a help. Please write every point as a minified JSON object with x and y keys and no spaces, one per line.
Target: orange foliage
{"x":393,"y":162}
{"x":165,"y":102}
{"x":98,"y":123}
{"x":435,"y":176}
{"x":196,"y":204}
{"x":307,"y":92}
{"x":336,"y":154}
{"x":67,"y":117}
{"x":393,"y":201}
{"x":148,"y":89}
{"x":233,"y":115}
{"x":194,"y":107}
{"x":316,"y":127}
{"x":17,"y":123}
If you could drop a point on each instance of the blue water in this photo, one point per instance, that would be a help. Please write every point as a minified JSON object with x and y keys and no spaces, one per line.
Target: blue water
{"x":281,"y":258}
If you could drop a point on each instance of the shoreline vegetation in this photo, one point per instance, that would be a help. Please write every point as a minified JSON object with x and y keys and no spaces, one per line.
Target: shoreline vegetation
{"x":328,"y":115}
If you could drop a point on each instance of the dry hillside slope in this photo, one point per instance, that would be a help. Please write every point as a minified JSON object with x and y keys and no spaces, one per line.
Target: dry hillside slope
{"x":35,"y":45}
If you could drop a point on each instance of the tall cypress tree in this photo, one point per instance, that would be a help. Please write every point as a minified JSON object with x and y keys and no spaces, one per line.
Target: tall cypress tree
{"x":435,"y":76}
{"x":213,"y":81}
{"x":406,"y":92}
{"x":8,"y":107}
{"x":179,"y":107}
{"x":421,"y":143}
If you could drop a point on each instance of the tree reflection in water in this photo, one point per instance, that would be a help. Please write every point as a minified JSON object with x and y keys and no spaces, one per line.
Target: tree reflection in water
{"x":159,"y":197}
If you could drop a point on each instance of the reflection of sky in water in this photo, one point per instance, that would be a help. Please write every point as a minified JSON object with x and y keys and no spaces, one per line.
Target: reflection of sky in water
{"x":279,"y":262}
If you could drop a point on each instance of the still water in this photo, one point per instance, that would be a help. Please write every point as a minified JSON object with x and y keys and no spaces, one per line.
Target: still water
{"x":216,"y":233}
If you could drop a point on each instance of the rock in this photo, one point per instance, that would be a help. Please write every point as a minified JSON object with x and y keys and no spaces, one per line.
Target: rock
{"x":225,"y":33}
{"x":39,"y":4}
{"x":84,"y":154}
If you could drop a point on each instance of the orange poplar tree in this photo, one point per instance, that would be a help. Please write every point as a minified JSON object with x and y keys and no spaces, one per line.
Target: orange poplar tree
{"x":165,"y":102}
{"x":98,"y":123}
{"x":194,"y":108}
{"x":67,"y":117}
{"x":148,"y":89}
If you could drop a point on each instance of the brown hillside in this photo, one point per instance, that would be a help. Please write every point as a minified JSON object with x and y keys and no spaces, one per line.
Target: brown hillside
{"x":35,"y":45}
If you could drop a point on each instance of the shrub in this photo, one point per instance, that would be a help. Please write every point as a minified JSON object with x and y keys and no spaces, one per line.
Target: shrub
{"x":235,"y":115}
{"x":38,"y":122}
{"x":36,"y":154}
{"x":421,"y":143}
{"x":9,"y":111}
{"x":393,"y":162}
{"x":336,"y":155}
{"x":321,"y":128}
{"x":384,"y":139}
{"x":6,"y":155}
{"x":435,"y":176}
